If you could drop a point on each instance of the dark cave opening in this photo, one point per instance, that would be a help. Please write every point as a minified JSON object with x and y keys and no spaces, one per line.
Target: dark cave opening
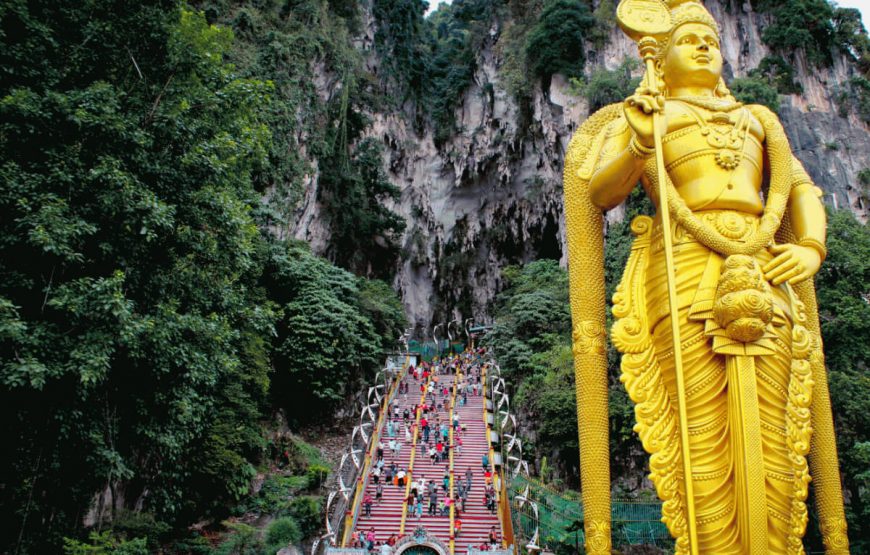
{"x":546,"y":242}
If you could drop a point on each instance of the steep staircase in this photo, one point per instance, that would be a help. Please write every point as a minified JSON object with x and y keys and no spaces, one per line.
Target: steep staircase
{"x":476,"y":520}
{"x":386,"y":517}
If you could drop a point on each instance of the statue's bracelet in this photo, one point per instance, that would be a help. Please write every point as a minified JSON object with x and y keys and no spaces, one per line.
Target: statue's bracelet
{"x":638,"y":150}
{"x":816,"y":245}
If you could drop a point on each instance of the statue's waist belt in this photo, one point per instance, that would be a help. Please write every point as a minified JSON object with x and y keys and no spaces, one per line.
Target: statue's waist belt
{"x":734,"y":225}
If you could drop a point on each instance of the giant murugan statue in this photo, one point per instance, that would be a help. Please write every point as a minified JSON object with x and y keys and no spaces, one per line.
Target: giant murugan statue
{"x":715,"y":315}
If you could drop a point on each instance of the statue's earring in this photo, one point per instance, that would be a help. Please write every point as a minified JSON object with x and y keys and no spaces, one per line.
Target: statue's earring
{"x":722,"y":90}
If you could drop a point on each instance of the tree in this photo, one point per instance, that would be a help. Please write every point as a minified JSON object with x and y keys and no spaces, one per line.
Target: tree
{"x":365,"y":232}
{"x":321,"y":304}
{"x":843,"y":289}
{"x":556,"y":43}
{"x":805,"y":24}
{"x":754,"y":90}
{"x":130,"y":256}
{"x":606,"y":86}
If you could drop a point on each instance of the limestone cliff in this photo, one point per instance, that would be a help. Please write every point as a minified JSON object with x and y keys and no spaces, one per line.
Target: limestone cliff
{"x":491,"y":195}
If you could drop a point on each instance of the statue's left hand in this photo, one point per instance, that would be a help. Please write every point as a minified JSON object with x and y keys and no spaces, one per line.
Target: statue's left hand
{"x":792,"y":263}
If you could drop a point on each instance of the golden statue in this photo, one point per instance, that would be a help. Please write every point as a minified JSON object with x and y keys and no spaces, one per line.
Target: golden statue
{"x":744,"y":400}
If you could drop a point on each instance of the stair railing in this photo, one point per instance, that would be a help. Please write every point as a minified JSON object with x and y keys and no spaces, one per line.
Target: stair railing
{"x":513,"y":463}
{"x":351,"y":469}
{"x":363,"y":479}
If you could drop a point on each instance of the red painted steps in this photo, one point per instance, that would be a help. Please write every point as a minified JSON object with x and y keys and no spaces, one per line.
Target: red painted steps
{"x":386,"y":516}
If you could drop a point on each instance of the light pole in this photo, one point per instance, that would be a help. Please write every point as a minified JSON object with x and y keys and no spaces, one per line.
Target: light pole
{"x":450,"y":335}
{"x":435,"y":337}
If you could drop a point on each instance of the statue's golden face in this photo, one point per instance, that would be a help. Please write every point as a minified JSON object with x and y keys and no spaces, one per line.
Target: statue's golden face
{"x":693,"y":57}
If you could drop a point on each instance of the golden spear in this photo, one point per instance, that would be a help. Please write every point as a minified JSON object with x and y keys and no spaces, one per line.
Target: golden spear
{"x":643,"y":20}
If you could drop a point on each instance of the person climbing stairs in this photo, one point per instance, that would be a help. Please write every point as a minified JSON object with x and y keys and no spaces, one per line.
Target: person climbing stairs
{"x":450,"y":401}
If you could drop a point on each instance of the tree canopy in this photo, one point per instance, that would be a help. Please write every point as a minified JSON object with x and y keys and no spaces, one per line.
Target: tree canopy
{"x":148,"y":317}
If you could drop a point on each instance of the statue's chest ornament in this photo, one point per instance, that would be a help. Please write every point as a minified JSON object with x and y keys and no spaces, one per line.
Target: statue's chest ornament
{"x":726,"y":134}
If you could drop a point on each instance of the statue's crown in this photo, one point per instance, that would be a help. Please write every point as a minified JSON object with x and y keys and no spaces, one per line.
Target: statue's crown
{"x":690,"y":12}
{"x":683,"y":12}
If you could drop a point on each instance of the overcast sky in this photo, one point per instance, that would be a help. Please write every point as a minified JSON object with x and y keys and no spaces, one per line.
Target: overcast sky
{"x":863,"y":5}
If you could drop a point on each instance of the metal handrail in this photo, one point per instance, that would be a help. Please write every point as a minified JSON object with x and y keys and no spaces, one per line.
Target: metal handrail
{"x":336,"y":512}
{"x":500,"y":491}
{"x":363,"y":479}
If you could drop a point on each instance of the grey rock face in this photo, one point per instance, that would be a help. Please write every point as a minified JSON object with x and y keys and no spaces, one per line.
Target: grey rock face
{"x":492,"y":194}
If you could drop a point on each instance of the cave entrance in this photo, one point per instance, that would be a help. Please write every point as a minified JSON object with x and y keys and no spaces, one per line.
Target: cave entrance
{"x":547,"y":244}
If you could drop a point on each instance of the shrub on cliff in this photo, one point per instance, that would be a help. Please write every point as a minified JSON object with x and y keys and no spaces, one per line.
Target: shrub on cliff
{"x":557,"y":43}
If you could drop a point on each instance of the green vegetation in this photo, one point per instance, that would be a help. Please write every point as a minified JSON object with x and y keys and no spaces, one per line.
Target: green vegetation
{"x":854,"y":96}
{"x":843,"y":288}
{"x":801,"y":24}
{"x":521,"y":62}
{"x":283,"y":44}
{"x":248,"y":540}
{"x":755,"y":90}
{"x":532,"y":340}
{"x":606,"y":86}
{"x":155,"y":322}
{"x":104,"y":543}
{"x":817,"y":27}
{"x":763,"y":85}
{"x":364,"y":234}
{"x":149,"y":323}
{"x":850,"y":37}
{"x":320,"y":303}
{"x":432,"y":61}
{"x":401,"y":39}
{"x":864,"y":183}
{"x":557,"y":43}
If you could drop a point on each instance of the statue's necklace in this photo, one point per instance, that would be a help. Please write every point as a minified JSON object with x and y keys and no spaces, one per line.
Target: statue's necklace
{"x":712,"y":104}
{"x":727,"y":137}
{"x":780,"y":156}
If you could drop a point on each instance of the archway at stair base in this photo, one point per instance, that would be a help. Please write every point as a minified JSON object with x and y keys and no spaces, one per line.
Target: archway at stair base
{"x":420,"y":550}
{"x":420,"y":542}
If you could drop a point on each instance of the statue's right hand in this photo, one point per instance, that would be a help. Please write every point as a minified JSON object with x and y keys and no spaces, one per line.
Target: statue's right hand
{"x":639,"y":109}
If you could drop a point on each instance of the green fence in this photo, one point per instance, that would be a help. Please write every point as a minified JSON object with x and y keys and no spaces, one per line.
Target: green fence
{"x":560,"y":519}
{"x":429,"y":350}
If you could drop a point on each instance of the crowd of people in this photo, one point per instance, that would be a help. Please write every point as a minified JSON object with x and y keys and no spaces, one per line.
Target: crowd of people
{"x":434,"y":439}
{"x":366,"y":539}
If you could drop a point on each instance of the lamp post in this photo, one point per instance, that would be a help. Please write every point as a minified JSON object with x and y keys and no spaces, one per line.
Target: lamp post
{"x":435,"y":337}
{"x":450,"y":335}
